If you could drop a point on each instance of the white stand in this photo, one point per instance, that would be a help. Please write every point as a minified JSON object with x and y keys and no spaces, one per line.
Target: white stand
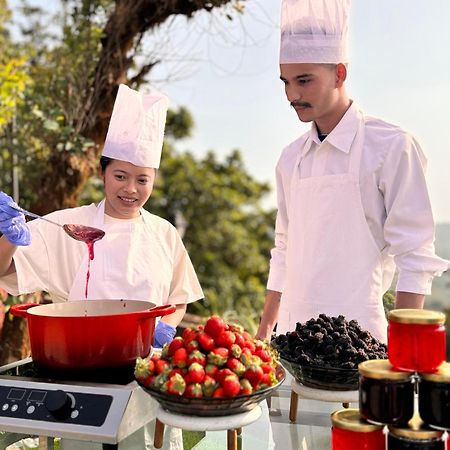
{"x":232,"y":424}
{"x":299,"y":390}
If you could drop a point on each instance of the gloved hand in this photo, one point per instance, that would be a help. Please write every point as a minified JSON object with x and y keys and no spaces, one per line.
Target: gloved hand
{"x":12,"y":222}
{"x":164,"y":333}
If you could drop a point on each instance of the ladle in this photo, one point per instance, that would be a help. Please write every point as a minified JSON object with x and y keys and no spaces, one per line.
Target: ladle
{"x":75,"y":231}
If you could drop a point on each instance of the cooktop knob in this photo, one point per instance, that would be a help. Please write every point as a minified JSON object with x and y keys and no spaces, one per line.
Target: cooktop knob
{"x":58,"y":404}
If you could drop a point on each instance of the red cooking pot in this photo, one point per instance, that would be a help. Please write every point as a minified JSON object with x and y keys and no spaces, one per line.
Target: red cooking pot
{"x":94,"y":334}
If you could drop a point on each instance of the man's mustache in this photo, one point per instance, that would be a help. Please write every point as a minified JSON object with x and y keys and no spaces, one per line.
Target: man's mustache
{"x":297,"y":104}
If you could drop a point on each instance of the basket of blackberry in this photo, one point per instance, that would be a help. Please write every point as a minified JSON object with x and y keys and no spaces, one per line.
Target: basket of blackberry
{"x":324,"y":352}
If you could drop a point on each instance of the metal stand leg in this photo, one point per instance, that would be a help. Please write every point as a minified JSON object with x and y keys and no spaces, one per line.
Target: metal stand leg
{"x":159,"y":434}
{"x":110,"y":446}
{"x":293,"y":407}
{"x":231,"y":440}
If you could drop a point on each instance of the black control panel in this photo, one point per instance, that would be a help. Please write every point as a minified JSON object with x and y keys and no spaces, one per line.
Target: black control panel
{"x":54,"y":405}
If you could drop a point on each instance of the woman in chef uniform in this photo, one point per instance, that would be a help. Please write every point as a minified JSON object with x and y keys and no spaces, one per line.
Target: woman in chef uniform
{"x":141,"y":256}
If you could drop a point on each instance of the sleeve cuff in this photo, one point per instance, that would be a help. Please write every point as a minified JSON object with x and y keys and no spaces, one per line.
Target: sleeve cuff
{"x":415,"y":282}
{"x":276,"y":280}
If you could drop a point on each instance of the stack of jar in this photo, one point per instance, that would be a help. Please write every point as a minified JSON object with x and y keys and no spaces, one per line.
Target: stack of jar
{"x":414,"y":382}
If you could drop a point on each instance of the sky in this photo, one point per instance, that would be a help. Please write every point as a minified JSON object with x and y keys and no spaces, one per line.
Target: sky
{"x":399,"y":71}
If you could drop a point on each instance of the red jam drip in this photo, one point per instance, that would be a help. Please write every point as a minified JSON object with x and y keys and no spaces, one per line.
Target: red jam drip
{"x":90,"y":245}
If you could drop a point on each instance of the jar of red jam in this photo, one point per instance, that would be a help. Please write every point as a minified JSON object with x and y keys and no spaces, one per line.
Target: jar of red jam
{"x":421,"y":438}
{"x":434,"y":397}
{"x":386,"y":396}
{"x":350,"y":431}
{"x":416,"y":339}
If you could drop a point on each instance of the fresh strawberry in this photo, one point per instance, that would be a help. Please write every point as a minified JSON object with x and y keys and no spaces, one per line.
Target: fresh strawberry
{"x":176,"y":385}
{"x":214,"y":326}
{"x":235,"y":351}
{"x":144,"y":368}
{"x":196,"y":356}
{"x":175,"y":345}
{"x":218,"y":356}
{"x":264,"y":355}
{"x":211,"y":370}
{"x":236,"y":328}
{"x":250,"y":345}
{"x":205,"y":341}
{"x":209,"y":385}
{"x":246,"y":357}
{"x":176,"y":370}
{"x":165,"y":352}
{"x":159,"y":381}
{"x":246,"y":387}
{"x":188,"y":335}
{"x":222,"y":374}
{"x":179,"y":358}
{"x":191,"y":346}
{"x":196,"y":372}
{"x":162,"y":366}
{"x":247,"y":336}
{"x":267,"y":380}
{"x":236,"y":366}
{"x":193,"y":390}
{"x":239,"y":340}
{"x":267,"y":368}
{"x":231,"y":386}
{"x":155,"y":357}
{"x":254,"y":374}
{"x":218,"y":393}
{"x":225,"y":339}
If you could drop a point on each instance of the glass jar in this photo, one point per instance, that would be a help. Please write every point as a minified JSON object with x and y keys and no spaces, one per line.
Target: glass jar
{"x":412,"y":333}
{"x":350,"y":431}
{"x":386,"y":396}
{"x":434,"y":397}
{"x":421,"y":438}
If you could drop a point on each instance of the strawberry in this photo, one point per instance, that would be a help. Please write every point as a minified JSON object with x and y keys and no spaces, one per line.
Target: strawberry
{"x":267,"y":368}
{"x":231,"y":386}
{"x":205,"y":341}
{"x":225,"y":339}
{"x":267,"y":380}
{"x":193,"y":390}
{"x":211,"y":370}
{"x":162,"y":366}
{"x":218,"y":356}
{"x":239,"y":340}
{"x":176,"y":370}
{"x":176,"y":385}
{"x":264,"y":355}
{"x":144,"y":368}
{"x":218,"y":393}
{"x":238,"y":329}
{"x":236,"y":366}
{"x":159,"y":381}
{"x":222,"y":374}
{"x":209,"y":385}
{"x":236,"y":351}
{"x":246,"y":357}
{"x":188,"y":335}
{"x":250,"y":345}
{"x":175,"y":345}
{"x":254,"y":374}
{"x":246,"y":387}
{"x":214,"y":326}
{"x":191,"y":346}
{"x":179,"y":357}
{"x":196,"y":373}
{"x":196,"y":356}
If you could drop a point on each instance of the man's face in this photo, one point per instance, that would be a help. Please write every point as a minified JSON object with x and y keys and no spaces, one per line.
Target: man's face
{"x":127,"y":188}
{"x":311,"y":89}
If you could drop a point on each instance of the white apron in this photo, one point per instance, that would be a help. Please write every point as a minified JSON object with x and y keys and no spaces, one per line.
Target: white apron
{"x":123,"y":267}
{"x":333,"y":263}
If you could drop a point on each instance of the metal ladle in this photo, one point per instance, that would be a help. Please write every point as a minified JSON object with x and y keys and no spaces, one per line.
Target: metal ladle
{"x":79,"y":232}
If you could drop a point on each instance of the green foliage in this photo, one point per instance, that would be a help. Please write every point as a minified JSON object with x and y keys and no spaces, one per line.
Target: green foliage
{"x":388,"y":302}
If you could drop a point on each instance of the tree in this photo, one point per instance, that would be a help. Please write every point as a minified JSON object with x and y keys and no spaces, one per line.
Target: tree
{"x":76,"y":69}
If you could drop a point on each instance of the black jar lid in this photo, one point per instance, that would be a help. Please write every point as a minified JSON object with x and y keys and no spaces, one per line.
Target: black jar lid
{"x":350,"y":419}
{"x":416,"y":431}
{"x":442,"y":374}
{"x":417,"y":316}
{"x":381,"y":369}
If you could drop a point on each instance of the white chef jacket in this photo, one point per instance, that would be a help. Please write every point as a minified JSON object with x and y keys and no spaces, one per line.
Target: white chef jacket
{"x":53,"y":259}
{"x":394,"y":197}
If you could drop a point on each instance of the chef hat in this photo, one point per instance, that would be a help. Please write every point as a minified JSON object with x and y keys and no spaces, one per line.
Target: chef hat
{"x":314,"y":31}
{"x":136,"y":128}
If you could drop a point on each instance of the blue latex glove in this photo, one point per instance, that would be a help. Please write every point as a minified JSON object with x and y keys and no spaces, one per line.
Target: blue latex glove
{"x":164,"y":333}
{"x":12,"y":222}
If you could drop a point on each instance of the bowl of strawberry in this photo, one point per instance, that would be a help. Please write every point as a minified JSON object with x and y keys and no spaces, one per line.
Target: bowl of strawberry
{"x":216,"y":369}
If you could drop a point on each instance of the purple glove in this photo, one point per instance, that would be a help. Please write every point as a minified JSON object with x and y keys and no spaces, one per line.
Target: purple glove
{"x":164,"y":333}
{"x":12,"y":222}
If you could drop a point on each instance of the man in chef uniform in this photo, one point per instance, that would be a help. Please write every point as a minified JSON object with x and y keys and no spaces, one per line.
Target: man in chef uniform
{"x":351,"y":192}
{"x":141,"y":256}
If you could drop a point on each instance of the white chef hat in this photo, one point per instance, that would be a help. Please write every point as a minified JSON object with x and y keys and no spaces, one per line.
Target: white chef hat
{"x":314,"y":31}
{"x":136,"y":128}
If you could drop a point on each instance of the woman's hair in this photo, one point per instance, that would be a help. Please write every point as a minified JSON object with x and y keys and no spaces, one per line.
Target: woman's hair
{"x":104,"y":161}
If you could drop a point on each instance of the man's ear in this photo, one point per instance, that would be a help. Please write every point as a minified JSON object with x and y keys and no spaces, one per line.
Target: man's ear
{"x":341,"y":74}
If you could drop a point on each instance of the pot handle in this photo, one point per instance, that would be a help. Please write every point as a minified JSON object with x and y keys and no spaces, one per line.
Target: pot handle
{"x":158,"y":311}
{"x":22,"y":309}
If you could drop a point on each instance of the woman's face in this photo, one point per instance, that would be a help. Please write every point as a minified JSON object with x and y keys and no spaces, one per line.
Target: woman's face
{"x":127,"y":188}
